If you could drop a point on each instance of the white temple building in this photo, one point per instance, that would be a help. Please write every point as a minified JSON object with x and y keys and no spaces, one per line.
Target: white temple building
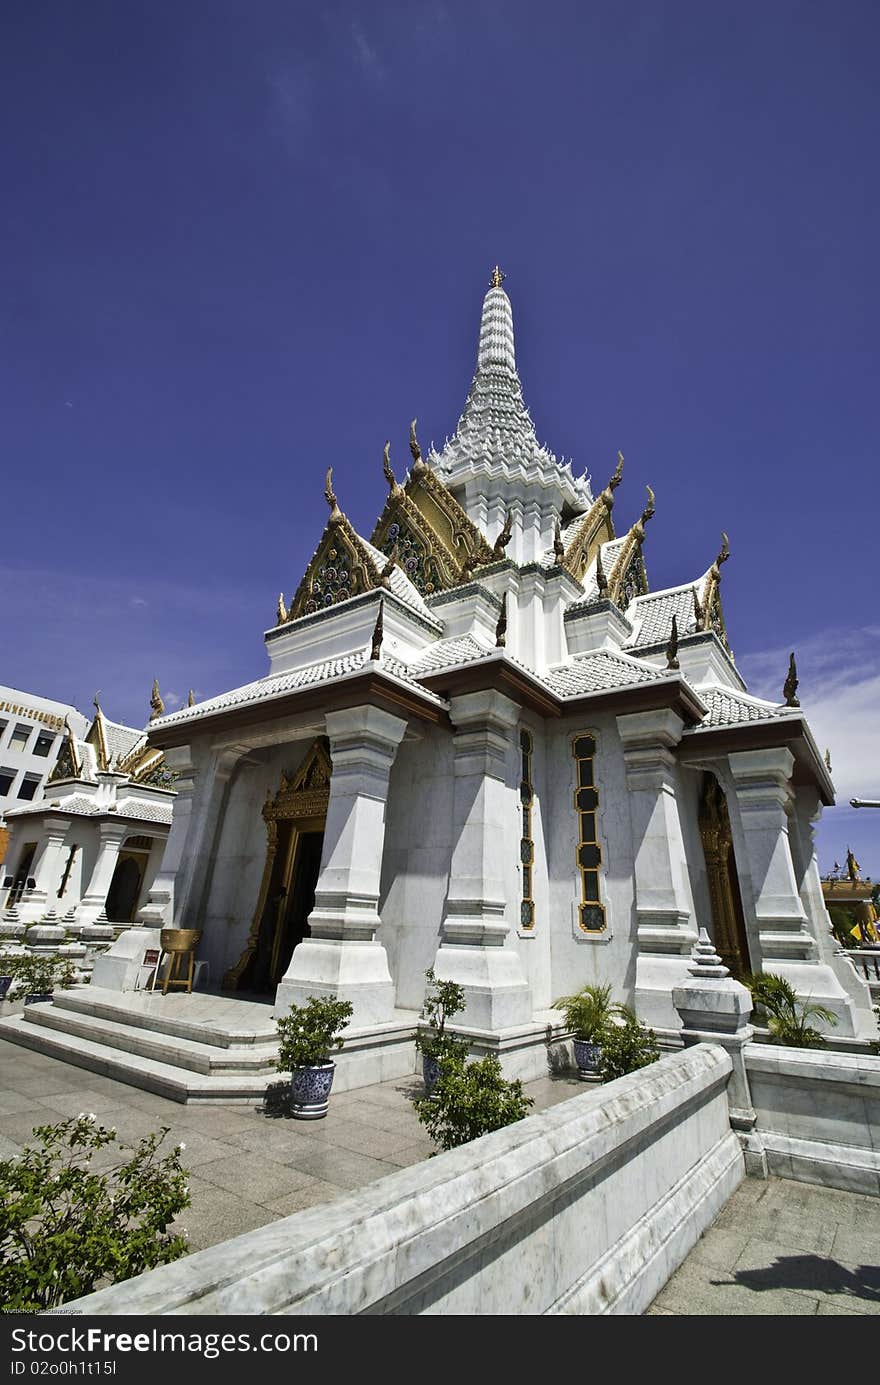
{"x":90,"y":847}
{"x":484,"y":745}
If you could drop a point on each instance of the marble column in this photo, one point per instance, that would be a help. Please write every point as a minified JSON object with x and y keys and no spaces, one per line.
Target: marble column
{"x":476,"y":948}
{"x":45,"y":871}
{"x":786,"y":942}
{"x":342,"y":956}
{"x":110,"y":837}
{"x":664,"y":908}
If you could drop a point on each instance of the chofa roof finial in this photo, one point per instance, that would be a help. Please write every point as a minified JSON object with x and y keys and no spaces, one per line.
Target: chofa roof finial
{"x":789,"y":689}
{"x":648,"y":511}
{"x":725,"y":550}
{"x":156,"y":703}
{"x":414,"y":448}
{"x":330,"y":495}
{"x":191,"y":698}
{"x":388,"y":469}
{"x":281,"y":611}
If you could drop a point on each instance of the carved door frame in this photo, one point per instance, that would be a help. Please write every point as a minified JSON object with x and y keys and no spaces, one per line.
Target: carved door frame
{"x":301,"y":801}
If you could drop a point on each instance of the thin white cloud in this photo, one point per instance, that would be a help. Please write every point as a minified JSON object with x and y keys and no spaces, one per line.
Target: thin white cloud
{"x":367,"y":55}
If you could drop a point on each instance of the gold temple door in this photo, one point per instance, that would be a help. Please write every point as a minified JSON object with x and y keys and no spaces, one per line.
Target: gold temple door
{"x":728,"y":920}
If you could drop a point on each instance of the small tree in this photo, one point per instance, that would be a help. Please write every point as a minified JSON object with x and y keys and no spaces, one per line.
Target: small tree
{"x":787,"y":1016}
{"x":589,"y":1012}
{"x":626,"y":1046}
{"x":65,"y":1229}
{"x":443,"y":999}
{"x":311,"y":1032}
{"x":37,"y":973}
{"x":469,"y":1100}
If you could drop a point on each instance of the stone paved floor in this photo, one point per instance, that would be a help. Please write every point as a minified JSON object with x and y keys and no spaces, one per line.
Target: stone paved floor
{"x":782,"y":1248}
{"x":247,"y":1169}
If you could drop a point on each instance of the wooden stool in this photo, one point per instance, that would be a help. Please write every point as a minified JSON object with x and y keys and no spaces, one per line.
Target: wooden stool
{"x":180,"y":944}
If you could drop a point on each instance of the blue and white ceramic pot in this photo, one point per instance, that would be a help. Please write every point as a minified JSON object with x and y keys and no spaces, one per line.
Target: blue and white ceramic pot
{"x":586,"y":1055}
{"x":430,"y":1072}
{"x":36,"y":997}
{"x":310,"y":1091}
{"x":5,"y":983}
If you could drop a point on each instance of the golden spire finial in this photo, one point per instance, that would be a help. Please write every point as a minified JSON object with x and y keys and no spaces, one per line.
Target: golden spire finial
{"x":498,"y":277}
{"x":156,"y":702}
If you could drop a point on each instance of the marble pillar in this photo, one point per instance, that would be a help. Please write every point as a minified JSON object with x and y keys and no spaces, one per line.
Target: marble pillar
{"x":342,"y":956}
{"x":786,"y":939}
{"x":110,"y":837}
{"x":477,"y":949}
{"x":45,"y":871}
{"x":664,"y":909}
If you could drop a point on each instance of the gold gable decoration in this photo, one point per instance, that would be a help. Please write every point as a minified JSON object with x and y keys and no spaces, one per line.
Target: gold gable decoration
{"x":707,"y":606}
{"x":68,"y":765}
{"x":307,"y":793}
{"x":341,"y":568}
{"x":595,"y":528}
{"x":437,"y":543}
{"x":628,"y":579}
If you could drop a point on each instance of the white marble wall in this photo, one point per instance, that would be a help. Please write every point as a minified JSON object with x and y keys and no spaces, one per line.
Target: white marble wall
{"x":585,"y":1209}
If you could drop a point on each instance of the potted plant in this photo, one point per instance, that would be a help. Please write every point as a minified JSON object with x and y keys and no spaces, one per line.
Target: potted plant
{"x":588,"y":1013}
{"x":787,"y":1017}
{"x":39,"y":974}
{"x":306,"y":1038}
{"x":443,"y":999}
{"x":627,"y":1045}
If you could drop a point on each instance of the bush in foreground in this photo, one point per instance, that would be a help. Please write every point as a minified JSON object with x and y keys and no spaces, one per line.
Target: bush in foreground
{"x":65,"y":1230}
{"x":469,"y":1100}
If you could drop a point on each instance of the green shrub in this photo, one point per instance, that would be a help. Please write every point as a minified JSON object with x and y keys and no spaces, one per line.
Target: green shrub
{"x":443,"y":999}
{"x":65,"y":1230}
{"x":469,"y":1100}
{"x":787,"y":1017}
{"x":589,"y":1012}
{"x":626,"y":1046}
{"x":39,"y":973}
{"x":311,"y":1032}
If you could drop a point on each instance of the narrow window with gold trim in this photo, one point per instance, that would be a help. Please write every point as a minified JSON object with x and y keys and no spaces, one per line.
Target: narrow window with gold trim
{"x":526,"y":845}
{"x":591,"y":911}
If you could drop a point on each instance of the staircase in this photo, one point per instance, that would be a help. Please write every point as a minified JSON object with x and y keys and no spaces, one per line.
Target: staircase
{"x":184,"y":1047}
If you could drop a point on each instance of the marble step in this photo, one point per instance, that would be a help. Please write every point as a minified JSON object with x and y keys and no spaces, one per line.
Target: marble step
{"x":165,"y":1079}
{"x":205,"y":1019}
{"x":195,"y":1055}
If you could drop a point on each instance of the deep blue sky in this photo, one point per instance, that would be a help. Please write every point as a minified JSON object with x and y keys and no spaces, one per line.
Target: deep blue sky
{"x":242,"y":241}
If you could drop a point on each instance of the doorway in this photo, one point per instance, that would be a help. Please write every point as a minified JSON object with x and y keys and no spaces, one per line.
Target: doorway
{"x":728,"y":920}
{"x":295,"y":820}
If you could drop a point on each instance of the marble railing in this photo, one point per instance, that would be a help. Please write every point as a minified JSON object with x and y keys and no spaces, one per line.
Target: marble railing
{"x":818,"y":1114}
{"x":586,"y":1208}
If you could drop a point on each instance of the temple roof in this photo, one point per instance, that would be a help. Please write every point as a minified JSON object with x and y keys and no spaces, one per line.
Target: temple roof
{"x":83,"y":806}
{"x":495,"y":435}
{"x":727,"y":708}
{"x":279,"y":685}
{"x":598,"y":671}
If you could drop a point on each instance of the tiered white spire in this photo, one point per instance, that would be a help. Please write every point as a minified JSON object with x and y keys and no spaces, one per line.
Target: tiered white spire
{"x":495,"y":434}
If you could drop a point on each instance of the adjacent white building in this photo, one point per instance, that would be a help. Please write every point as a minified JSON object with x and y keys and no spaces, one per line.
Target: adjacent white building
{"x":31,"y":736}
{"x":91,"y":844}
